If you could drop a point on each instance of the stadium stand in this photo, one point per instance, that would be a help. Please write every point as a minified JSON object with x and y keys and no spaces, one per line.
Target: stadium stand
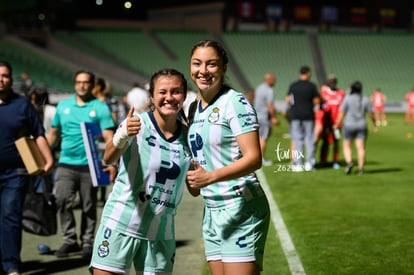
{"x":132,"y":47}
{"x":76,"y":41}
{"x":379,"y":60}
{"x":143,"y":52}
{"x":280,"y":53}
{"x":384,"y":61}
{"x":42,"y":70}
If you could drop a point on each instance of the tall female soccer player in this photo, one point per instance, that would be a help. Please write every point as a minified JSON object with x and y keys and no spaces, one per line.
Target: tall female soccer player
{"x":224,"y":142}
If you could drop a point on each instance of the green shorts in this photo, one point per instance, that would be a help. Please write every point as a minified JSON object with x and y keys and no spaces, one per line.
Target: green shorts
{"x":237,"y":234}
{"x":115,"y":252}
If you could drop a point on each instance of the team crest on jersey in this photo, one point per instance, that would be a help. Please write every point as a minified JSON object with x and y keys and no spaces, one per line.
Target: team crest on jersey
{"x":103,"y":249}
{"x":214,"y":116}
{"x":92,"y":113}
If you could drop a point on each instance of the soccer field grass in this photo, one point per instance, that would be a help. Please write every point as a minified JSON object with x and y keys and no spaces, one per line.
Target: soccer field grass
{"x":347,"y":224}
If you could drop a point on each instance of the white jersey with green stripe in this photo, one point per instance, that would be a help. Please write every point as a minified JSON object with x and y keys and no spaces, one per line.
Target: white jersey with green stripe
{"x":212,"y":140}
{"x":150,"y":183}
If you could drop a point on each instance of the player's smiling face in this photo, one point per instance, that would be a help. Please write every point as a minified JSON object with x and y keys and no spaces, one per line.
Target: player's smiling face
{"x":206,"y":69}
{"x":168,"y":96}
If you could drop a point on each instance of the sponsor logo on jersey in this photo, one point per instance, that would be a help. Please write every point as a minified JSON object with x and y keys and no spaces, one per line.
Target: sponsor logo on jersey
{"x":165,"y":203}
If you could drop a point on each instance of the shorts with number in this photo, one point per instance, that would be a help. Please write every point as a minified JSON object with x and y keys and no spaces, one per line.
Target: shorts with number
{"x":237,"y":234}
{"x":114,"y":251}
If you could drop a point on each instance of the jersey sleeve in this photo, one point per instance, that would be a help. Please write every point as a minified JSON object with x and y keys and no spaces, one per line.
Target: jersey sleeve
{"x":241,"y":116}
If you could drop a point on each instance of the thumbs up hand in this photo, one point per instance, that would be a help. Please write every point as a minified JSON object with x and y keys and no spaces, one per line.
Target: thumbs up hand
{"x":129,"y":127}
{"x":133,"y":123}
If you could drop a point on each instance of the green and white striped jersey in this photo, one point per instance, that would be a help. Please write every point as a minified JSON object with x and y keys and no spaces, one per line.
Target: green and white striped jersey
{"x":150,"y":183}
{"x":212,"y":139}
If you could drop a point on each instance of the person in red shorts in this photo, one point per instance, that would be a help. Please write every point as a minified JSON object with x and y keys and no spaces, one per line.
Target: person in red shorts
{"x":378,"y":100}
{"x":332,"y":98}
{"x":409,"y":98}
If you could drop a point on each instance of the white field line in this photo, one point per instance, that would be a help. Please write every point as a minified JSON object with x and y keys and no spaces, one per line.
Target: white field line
{"x":292,"y":257}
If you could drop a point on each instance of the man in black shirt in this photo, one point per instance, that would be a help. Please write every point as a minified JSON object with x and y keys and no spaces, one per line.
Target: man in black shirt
{"x":302,"y":98}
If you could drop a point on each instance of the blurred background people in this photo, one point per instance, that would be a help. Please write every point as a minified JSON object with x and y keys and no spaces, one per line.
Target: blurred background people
{"x":331,"y":100}
{"x":409,"y":114}
{"x":378,"y":100}
{"x":266,"y":111}
{"x":353,"y":111}
{"x":72,"y":173}
{"x":25,"y":83}
{"x":18,"y":118}
{"x":39,"y":96}
{"x":302,"y":97}
{"x":123,"y":107}
{"x":102,"y":92}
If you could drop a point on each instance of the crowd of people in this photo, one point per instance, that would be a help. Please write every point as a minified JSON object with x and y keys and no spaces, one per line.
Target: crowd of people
{"x":319,"y":118}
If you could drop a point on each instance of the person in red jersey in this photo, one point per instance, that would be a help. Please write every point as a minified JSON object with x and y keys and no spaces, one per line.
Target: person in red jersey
{"x":409,"y":98}
{"x":378,"y":100}
{"x":331,"y":98}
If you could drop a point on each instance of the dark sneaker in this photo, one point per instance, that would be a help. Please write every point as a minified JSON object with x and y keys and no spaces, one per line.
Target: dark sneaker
{"x":348,"y":168}
{"x":87,"y":252}
{"x":66,"y":249}
{"x":360,"y":172}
